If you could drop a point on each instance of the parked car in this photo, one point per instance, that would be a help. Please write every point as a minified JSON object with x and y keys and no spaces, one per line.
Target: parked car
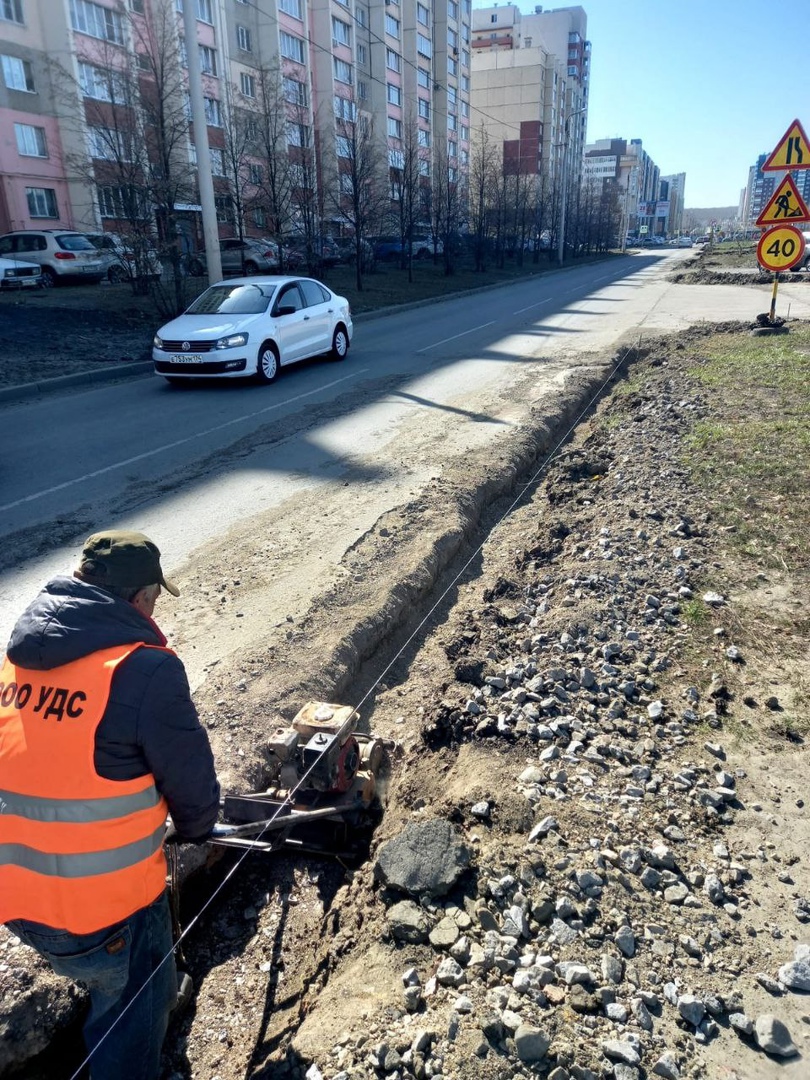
{"x":253,"y":326}
{"x":389,"y":248}
{"x":120,"y":260}
{"x":684,"y":241}
{"x":246,"y":256}
{"x":699,"y":241}
{"x":62,"y":254}
{"x":15,"y":274}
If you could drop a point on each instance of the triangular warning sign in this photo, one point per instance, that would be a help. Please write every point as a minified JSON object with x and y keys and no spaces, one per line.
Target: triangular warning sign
{"x":786,"y":206}
{"x":792,"y":151}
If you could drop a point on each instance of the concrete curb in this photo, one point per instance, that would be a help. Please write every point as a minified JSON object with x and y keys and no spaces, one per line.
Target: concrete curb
{"x":25,"y":391}
{"x":81,"y":378}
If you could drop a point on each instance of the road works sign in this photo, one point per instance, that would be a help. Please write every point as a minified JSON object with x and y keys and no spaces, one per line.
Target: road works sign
{"x":786,"y":205}
{"x":792,"y":151}
{"x":780,"y":248}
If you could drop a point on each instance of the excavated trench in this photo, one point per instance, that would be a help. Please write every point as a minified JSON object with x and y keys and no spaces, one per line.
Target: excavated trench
{"x":374,"y":629}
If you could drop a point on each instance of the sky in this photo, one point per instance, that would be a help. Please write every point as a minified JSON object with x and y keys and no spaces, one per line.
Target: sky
{"x":707,"y":85}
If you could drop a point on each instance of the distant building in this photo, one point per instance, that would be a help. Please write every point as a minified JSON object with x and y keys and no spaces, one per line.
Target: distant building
{"x":530,"y":84}
{"x":627,"y":167}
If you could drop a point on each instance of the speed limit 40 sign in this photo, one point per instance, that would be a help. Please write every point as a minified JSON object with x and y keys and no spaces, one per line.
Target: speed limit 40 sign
{"x":780,"y":248}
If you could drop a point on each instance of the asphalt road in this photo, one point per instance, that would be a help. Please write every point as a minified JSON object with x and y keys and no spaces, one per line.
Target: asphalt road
{"x":339,"y":443}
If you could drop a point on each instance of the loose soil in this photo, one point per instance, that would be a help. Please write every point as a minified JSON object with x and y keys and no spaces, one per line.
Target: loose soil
{"x":293,"y":961}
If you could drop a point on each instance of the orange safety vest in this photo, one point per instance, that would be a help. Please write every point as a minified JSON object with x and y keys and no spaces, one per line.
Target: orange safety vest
{"x":77,"y":852}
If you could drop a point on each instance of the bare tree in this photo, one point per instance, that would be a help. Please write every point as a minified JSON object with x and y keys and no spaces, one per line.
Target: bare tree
{"x":287,"y":175}
{"x":481,"y":179}
{"x":361,"y":197}
{"x":448,"y":202}
{"x":405,"y":180}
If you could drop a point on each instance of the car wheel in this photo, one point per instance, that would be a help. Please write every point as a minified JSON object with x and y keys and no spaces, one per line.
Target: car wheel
{"x":116,"y":275}
{"x":268,"y":365}
{"x":251,"y":268}
{"x":340,"y":343}
{"x":48,"y":277}
{"x":195,"y":268}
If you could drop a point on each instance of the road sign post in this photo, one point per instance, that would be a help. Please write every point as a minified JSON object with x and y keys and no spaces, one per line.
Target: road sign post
{"x":781,"y":246}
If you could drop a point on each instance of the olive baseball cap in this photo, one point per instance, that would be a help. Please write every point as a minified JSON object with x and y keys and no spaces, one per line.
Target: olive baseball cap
{"x":127,"y":560}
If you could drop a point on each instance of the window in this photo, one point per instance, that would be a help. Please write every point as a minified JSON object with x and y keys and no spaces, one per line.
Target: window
{"x":362,"y":91}
{"x":573,"y":70}
{"x":11,"y":10}
{"x":346,"y":184}
{"x":465,"y":108}
{"x":297,"y":134}
{"x":423,"y":137}
{"x":451,"y":122}
{"x":102,"y":84}
{"x":361,"y":54}
{"x":424,"y":109}
{"x":452,"y":149}
{"x":423,"y":78}
{"x":423,"y":15}
{"x":136,"y":6}
{"x":295,"y":92}
{"x":465,"y":58}
{"x":422,"y":45}
{"x":452,"y":173}
{"x":224,"y":209}
{"x":343,"y":147}
{"x":465,"y":133}
{"x":341,"y":32}
{"x":17,"y":74}
{"x":452,"y":9}
{"x":465,"y":83}
{"x":208,"y":60}
{"x":396,"y":159}
{"x":394,"y":94}
{"x":452,"y":66}
{"x":243,"y":39}
{"x":291,"y":7}
{"x":213,"y":112}
{"x":451,"y":97}
{"x":252,"y":130}
{"x":292,"y":48}
{"x":247,"y":84}
{"x":452,"y":38}
{"x":30,"y":140}
{"x":217,"y":160}
{"x":204,"y":10}
{"x":96,"y":21}
{"x":361,"y":16}
{"x":107,"y":144}
{"x":345,"y":109}
{"x":259,"y":218}
{"x":493,"y":18}
{"x":527,"y":43}
{"x":343,"y":71}
{"x":41,"y":202}
{"x":392,"y":60}
{"x":394,"y":128}
{"x":392,"y":26}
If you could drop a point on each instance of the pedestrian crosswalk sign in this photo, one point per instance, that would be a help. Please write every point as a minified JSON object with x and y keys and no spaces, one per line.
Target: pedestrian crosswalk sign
{"x":792,"y":151}
{"x":786,"y":206}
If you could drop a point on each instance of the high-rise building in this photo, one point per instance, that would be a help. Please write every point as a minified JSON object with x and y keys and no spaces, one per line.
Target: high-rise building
{"x":762,"y":185}
{"x":293,"y":90}
{"x":530,"y":87}
{"x":629,"y":169}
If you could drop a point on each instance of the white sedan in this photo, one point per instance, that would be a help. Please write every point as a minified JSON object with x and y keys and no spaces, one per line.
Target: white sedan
{"x":19,"y":275}
{"x":253,"y":326}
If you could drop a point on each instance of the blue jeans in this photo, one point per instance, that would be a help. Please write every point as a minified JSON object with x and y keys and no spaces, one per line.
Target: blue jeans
{"x":115,"y":964}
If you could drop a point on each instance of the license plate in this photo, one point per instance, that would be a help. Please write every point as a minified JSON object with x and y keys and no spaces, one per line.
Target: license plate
{"x":193,"y":359}
{"x":89,"y":269}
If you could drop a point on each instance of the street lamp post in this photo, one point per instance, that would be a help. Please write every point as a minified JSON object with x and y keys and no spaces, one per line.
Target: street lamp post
{"x":564,"y":184}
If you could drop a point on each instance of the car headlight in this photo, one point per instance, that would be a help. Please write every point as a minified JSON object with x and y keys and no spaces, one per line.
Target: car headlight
{"x":232,"y":341}
{"x":157,"y":342}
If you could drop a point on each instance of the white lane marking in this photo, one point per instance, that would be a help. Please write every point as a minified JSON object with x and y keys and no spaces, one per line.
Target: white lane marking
{"x":178,"y":442}
{"x":444,"y":341}
{"x":529,"y":308}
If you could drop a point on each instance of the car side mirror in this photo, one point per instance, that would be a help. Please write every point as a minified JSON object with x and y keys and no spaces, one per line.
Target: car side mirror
{"x":286,"y":309}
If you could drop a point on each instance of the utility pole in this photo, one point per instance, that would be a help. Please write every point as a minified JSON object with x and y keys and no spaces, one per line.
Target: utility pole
{"x":564,"y":184}
{"x":204,"y":176}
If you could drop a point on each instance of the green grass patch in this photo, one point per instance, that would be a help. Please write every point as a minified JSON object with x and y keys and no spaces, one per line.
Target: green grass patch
{"x":753,"y":455}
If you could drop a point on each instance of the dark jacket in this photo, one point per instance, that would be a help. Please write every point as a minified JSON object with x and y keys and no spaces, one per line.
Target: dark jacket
{"x":150,"y":723}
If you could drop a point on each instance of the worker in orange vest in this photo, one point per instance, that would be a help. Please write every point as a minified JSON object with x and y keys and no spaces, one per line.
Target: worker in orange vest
{"x":99,"y":741}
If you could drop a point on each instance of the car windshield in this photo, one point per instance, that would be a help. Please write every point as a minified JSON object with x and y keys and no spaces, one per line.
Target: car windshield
{"x":232,"y":300}
{"x":74,"y":243}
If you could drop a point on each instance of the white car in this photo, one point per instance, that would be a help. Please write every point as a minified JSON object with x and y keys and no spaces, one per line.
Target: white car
{"x":19,"y":275}
{"x":684,"y":241}
{"x":253,"y":326}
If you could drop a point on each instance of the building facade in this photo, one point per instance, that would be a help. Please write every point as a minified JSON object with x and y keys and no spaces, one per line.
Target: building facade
{"x":530,"y":87}
{"x":646,"y":201}
{"x":761,"y":187}
{"x":292,"y":89}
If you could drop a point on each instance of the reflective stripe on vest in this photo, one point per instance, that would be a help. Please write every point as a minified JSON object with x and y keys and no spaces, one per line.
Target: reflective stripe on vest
{"x":77,"y":851}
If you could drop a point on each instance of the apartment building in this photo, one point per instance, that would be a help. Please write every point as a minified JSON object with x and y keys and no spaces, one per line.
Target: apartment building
{"x":629,"y":169}
{"x":762,"y":185}
{"x":286,"y":83}
{"x":530,"y":87}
